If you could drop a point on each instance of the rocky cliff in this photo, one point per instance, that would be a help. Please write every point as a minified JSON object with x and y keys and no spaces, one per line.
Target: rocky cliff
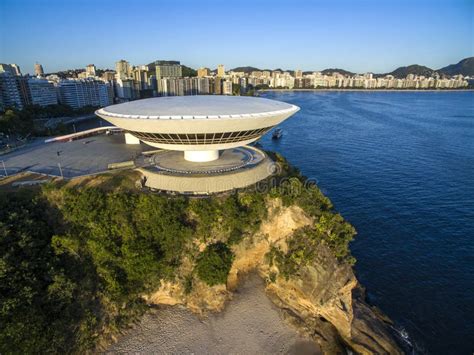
{"x":322,"y":298}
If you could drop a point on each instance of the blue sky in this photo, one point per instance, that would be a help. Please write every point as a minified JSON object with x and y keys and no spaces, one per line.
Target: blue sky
{"x":355,"y":35}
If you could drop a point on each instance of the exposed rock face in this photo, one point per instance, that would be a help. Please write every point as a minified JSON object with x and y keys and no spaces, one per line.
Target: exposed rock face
{"x":329,"y":292}
{"x":202,"y":299}
{"x":324,"y":299}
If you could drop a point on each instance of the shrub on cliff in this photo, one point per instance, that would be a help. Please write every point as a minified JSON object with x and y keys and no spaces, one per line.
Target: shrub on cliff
{"x":229,"y":217}
{"x":298,"y":191}
{"x":214,"y":263}
{"x":331,"y":230}
{"x":294,"y":189}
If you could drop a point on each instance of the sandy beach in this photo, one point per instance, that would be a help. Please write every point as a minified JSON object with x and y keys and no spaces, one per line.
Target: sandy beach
{"x":250,"y":324}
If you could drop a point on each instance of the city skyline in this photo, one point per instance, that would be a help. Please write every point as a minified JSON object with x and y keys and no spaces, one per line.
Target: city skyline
{"x":266,"y":35}
{"x":166,"y":78}
{"x":112,"y":67}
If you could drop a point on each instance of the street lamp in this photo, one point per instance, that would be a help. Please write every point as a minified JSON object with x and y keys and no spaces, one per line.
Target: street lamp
{"x":59,"y":163}
{"x":4,"y":168}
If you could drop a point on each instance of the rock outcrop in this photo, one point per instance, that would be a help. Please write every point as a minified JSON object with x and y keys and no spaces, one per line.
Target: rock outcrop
{"x":323,"y":299}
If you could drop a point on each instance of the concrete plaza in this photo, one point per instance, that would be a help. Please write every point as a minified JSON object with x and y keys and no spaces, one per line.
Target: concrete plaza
{"x":80,"y":157}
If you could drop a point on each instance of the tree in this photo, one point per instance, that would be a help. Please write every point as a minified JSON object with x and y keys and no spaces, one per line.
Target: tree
{"x":214,"y":263}
{"x":236,"y":89}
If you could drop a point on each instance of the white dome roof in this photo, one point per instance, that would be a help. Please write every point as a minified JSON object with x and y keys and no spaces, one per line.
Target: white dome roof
{"x":198,"y":107}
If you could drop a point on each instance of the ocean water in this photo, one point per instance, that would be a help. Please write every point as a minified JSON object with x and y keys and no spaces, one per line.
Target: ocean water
{"x":400,"y":167}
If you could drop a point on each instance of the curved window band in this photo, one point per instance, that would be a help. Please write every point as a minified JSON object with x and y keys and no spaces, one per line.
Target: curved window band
{"x":200,"y":138}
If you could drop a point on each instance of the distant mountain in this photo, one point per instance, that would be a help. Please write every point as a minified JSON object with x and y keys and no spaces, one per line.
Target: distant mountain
{"x":250,"y":69}
{"x":464,"y":67}
{"x":245,"y":69}
{"x":415,"y":69}
{"x":336,"y":70}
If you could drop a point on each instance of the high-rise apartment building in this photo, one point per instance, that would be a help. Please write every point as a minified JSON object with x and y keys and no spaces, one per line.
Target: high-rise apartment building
{"x":227,"y":87}
{"x":90,"y":70}
{"x":24,"y":89}
{"x":298,"y":73}
{"x":168,"y":69}
{"x":42,"y":92}
{"x":108,"y":76}
{"x":220,"y":70}
{"x":191,"y":86}
{"x":125,"y":89}
{"x":243,"y":84}
{"x":203,"y":72}
{"x":39,"y":69}
{"x":123,"y":69}
{"x":10,"y":93}
{"x":12,"y":69}
{"x":140,"y":75}
{"x":84,"y":92}
{"x":204,"y":87}
{"x":218,"y":86}
{"x":187,"y":86}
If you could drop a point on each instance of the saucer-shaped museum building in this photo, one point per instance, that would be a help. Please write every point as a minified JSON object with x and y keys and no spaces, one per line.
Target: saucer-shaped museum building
{"x":212,"y":131}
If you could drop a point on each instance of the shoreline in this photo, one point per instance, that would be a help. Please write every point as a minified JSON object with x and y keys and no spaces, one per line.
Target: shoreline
{"x":369,"y":90}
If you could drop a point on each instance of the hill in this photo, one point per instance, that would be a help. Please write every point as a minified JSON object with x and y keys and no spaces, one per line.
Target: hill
{"x":416,"y":69}
{"x":336,"y":70}
{"x":187,"y":71}
{"x":464,"y":67}
{"x":247,"y":69}
{"x":329,"y":71}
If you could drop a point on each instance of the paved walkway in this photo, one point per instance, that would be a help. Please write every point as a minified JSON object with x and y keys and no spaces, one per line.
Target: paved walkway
{"x":80,"y":157}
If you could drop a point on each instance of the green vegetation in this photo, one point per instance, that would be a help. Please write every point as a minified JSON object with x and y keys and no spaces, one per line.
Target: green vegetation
{"x":188,"y":72}
{"x":214,"y":263}
{"x":76,"y":257}
{"x":76,"y":260}
{"x":236,"y":89}
{"x":303,"y":246}
{"x":22,"y":122}
{"x":73,"y":265}
{"x":262,"y":87}
{"x":228,"y":218}
{"x":329,"y":229}
{"x":294,"y":189}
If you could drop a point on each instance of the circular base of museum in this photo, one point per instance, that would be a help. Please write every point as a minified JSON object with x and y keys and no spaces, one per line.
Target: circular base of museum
{"x":235,"y":168}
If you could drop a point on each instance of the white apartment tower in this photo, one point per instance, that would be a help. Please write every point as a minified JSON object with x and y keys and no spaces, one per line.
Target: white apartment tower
{"x":220,"y":70}
{"x":123,"y":69}
{"x":227,"y":87}
{"x":90,"y":70}
{"x":39,"y":69}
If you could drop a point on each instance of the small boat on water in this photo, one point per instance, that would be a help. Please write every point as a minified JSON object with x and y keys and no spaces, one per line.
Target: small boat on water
{"x":277,"y":133}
